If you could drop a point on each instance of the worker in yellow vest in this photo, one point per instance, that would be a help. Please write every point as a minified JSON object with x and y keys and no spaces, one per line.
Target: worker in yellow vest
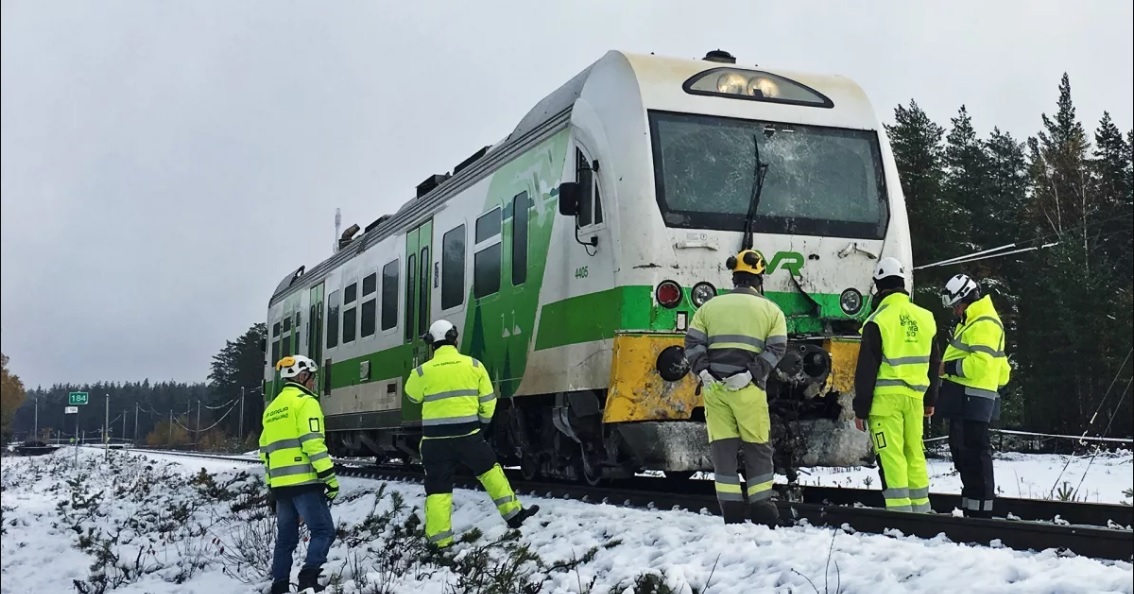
{"x":300,"y":473}
{"x":975,"y":368}
{"x":457,"y":404}
{"x":733,"y":343}
{"x":896,"y":385}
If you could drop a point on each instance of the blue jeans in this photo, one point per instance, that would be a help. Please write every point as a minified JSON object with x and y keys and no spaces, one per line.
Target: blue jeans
{"x":313,"y":507}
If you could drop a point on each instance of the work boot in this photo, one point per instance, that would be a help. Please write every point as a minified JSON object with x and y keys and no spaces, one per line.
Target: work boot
{"x":309,"y":578}
{"x":525,"y":513}
{"x":765,"y":512}
{"x":281,"y":587}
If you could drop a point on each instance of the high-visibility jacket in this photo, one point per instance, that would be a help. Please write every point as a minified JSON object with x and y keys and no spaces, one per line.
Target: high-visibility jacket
{"x":292,"y":443}
{"x":975,"y":362}
{"x":737,"y":332}
{"x":455,"y":393}
{"x":907,"y":332}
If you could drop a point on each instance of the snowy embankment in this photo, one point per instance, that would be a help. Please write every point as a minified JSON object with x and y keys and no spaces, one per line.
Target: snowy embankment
{"x":160,"y":524}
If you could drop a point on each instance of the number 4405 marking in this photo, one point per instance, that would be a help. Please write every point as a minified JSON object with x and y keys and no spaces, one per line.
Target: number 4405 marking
{"x":581,"y":272}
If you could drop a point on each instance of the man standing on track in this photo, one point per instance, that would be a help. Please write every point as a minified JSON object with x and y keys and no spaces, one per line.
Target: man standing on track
{"x":458,"y":402}
{"x":300,"y":473}
{"x":974,"y":370}
{"x":895,"y":386}
{"x":733,"y":343}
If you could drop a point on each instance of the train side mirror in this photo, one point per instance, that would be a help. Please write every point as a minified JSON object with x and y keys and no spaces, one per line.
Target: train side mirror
{"x":574,"y":194}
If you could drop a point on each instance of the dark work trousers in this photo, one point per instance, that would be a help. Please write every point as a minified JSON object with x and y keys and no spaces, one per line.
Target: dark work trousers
{"x":972,"y":457}
{"x":440,"y":458}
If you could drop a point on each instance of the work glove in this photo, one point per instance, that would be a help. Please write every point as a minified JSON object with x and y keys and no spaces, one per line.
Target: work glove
{"x":707,"y":379}
{"x":738,"y":381}
{"x":331,"y":485}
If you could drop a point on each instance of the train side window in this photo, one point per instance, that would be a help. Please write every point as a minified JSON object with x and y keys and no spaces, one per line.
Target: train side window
{"x":423,"y":320}
{"x":369,"y":314}
{"x":287,"y":324}
{"x":590,"y":213}
{"x":276,"y":351}
{"x":486,"y":271}
{"x":276,"y":329}
{"x":453,"y":267}
{"x":488,"y":225}
{"x":390,"y":295}
{"x":285,"y":345}
{"x":370,"y":284}
{"x":520,"y":238}
{"x":350,"y":293}
{"x":350,"y":326}
{"x":333,"y":319}
{"x":411,"y":278}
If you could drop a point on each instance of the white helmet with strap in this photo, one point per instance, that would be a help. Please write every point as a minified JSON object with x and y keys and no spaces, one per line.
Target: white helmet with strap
{"x":441,"y":330}
{"x":293,"y":365}
{"x":959,"y":288}
{"x":888,"y":267}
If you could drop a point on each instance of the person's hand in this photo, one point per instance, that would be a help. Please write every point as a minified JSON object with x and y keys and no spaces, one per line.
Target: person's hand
{"x":929,"y":411}
{"x":859,"y":424}
{"x":738,"y":381}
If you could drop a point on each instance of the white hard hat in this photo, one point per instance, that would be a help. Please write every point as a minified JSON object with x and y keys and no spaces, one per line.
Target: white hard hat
{"x":888,"y":267}
{"x":439,"y":331}
{"x":292,"y":365}
{"x":959,"y":288}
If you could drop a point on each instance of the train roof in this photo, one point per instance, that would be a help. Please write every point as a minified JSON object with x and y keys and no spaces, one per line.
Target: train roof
{"x":655,"y":76}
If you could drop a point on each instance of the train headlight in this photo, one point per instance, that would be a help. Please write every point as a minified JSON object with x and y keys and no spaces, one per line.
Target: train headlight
{"x":668,"y":294}
{"x":850,"y":301}
{"x":702,"y":293}
{"x":754,"y":85}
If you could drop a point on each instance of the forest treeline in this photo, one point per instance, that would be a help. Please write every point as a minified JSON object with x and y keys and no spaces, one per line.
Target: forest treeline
{"x":1061,"y":200}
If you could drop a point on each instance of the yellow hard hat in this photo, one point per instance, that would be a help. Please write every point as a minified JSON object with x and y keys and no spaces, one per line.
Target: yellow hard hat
{"x":750,"y":261}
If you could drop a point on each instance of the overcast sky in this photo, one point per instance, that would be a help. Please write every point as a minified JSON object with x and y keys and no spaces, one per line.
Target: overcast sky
{"x":166,"y":163}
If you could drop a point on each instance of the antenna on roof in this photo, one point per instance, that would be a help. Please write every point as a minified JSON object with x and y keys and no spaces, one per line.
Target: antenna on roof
{"x":338,"y":223}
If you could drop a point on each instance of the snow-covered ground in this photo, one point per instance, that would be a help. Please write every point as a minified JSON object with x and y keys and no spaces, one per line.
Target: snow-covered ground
{"x":167,"y":524}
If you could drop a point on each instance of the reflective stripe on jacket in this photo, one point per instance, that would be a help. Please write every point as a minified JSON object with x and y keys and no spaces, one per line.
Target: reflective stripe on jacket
{"x":907,"y":332}
{"x":975,"y":362}
{"x":735,"y":332}
{"x":455,"y":393}
{"x":292,"y":444}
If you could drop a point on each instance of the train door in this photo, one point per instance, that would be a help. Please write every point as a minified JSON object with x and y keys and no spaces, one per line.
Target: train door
{"x":315,"y":338}
{"x":417,"y":298}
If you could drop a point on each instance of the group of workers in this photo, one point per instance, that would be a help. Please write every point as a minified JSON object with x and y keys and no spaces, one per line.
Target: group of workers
{"x":733,"y":344}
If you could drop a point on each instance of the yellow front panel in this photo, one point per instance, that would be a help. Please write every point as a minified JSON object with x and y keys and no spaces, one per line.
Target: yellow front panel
{"x":844,"y":358}
{"x":637,"y":392}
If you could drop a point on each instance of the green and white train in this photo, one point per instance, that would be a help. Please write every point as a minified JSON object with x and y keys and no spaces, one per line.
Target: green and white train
{"x":573,"y":253}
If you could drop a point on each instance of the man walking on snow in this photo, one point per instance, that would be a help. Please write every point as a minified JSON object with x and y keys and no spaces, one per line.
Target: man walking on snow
{"x":895,"y":385}
{"x":301,"y":477}
{"x":974,"y":370}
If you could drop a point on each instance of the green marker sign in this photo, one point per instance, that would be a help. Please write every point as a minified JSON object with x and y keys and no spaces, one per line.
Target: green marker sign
{"x":77,"y":398}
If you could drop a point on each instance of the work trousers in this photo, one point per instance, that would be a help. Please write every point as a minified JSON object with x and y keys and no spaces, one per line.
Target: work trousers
{"x":310,"y":505}
{"x":896,"y":431}
{"x":737,"y":421}
{"x":972,"y":457}
{"x":440,"y":458}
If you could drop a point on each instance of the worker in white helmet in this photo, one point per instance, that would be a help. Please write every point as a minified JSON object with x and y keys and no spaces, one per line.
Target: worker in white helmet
{"x":457,"y":404}
{"x":896,"y":386}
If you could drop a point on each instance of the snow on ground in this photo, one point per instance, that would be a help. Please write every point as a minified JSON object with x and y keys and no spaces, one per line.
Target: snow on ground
{"x":184,"y":531}
{"x":1030,"y":476}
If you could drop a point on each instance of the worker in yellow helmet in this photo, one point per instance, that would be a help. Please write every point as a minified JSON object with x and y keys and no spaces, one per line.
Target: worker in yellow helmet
{"x":300,"y":473}
{"x":457,"y":404}
{"x":974,"y":370}
{"x":733,"y":343}
{"x":895,"y":387}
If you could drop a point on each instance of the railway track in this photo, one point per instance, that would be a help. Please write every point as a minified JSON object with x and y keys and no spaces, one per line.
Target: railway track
{"x":1089,"y":529}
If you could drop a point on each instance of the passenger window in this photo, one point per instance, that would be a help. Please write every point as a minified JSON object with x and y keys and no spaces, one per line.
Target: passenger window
{"x":411,"y":279}
{"x":453,"y":268}
{"x":488,"y":225}
{"x":370,"y":284}
{"x":349,"y":324}
{"x":276,"y":329}
{"x":287,"y":324}
{"x":333,"y":319}
{"x":486,"y":271}
{"x":350,"y":293}
{"x":276,"y":351}
{"x":285,"y":346}
{"x":369,"y":313}
{"x":520,"y":238}
{"x":390,"y":295}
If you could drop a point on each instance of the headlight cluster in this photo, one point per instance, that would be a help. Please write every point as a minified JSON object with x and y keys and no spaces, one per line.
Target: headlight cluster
{"x":754,"y":85}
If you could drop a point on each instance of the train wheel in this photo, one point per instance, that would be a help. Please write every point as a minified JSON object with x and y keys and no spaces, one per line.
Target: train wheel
{"x":592,"y":477}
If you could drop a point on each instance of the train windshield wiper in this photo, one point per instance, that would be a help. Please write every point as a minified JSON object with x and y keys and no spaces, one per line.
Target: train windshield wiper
{"x":758,"y":173}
